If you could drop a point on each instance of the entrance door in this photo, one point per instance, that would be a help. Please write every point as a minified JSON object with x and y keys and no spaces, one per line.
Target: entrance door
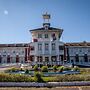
{"x":17,"y":59}
{"x":8,"y":59}
{"x":0,"y":59}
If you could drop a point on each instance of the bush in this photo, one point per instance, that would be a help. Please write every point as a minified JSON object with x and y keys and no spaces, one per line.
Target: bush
{"x":13,"y":70}
{"x":35,"y":68}
{"x":37,"y":77}
{"x":69,"y":78}
{"x":67,"y":68}
{"x":44,"y":69}
{"x":61,"y":68}
{"x":76,"y":68}
{"x":15,"y":78}
{"x":55,"y":68}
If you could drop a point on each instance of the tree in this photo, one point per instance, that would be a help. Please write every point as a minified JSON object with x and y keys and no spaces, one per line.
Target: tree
{"x":35,"y":68}
{"x":55,"y":68}
{"x":44,"y":69}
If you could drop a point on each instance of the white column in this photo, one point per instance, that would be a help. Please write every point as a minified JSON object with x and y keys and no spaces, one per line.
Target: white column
{"x":35,"y":59}
{"x":50,"y":60}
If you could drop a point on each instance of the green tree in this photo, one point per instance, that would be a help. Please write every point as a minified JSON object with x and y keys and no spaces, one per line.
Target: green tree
{"x":27,"y":71}
{"x":37,"y":77}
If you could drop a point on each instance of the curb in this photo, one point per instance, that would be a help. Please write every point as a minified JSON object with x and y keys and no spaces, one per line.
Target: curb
{"x":49,"y":84}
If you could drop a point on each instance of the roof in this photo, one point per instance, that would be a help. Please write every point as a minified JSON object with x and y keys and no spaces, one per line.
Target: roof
{"x":49,"y":28}
{"x":15,"y":45}
{"x":78,"y":44}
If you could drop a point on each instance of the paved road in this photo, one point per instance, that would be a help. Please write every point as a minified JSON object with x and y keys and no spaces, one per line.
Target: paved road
{"x":56,"y":88}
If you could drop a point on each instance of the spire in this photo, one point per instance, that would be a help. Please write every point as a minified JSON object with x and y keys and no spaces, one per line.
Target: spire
{"x":46,"y":18}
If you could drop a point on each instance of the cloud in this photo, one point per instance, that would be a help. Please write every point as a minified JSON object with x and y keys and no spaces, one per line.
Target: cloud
{"x":5,"y":12}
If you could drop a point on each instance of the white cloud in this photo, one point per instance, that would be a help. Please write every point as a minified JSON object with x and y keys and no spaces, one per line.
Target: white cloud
{"x":5,"y":12}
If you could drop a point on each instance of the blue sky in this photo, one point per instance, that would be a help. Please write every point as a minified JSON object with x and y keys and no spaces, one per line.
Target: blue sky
{"x":17,"y":17}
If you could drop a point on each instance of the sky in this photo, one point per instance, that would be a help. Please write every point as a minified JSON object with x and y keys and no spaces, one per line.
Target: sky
{"x":17,"y":17}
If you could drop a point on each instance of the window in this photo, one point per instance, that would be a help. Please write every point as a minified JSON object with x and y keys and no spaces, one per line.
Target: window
{"x":46,"y":59}
{"x":4,"y":55}
{"x":13,"y":51}
{"x":88,"y":50}
{"x":32,"y":48}
{"x":46,"y":46}
{"x":80,"y":50}
{"x":53,"y":46}
{"x":85,"y":58}
{"x":46,"y":35}
{"x":53,"y":36}
{"x":39,"y":35}
{"x":22,"y":52}
{"x":0,"y":59}
{"x":39,"y":59}
{"x":4,"y":51}
{"x":77,"y":58}
{"x":39,"y":46}
{"x":61,"y":47}
{"x":53,"y":58}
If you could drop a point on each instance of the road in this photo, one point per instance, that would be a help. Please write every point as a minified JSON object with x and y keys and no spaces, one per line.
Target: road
{"x":55,"y":88}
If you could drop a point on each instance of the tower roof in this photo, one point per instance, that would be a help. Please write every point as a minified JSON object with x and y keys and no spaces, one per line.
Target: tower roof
{"x":50,"y":28}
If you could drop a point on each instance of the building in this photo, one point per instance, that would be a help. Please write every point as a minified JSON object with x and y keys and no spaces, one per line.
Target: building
{"x":78,"y":53}
{"x":46,"y":45}
{"x":46,"y":48}
{"x":13,"y":53}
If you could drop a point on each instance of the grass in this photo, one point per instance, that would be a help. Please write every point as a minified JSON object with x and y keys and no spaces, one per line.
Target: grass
{"x":85,"y":71}
{"x":83,"y":76}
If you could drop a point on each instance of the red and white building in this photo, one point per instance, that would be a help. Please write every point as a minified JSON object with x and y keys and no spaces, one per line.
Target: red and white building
{"x":46,"y":48}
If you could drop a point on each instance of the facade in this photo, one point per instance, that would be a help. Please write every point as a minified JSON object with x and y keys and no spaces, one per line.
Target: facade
{"x":78,"y":53}
{"x":46,"y":48}
{"x":13,"y":53}
{"x":46,"y":44}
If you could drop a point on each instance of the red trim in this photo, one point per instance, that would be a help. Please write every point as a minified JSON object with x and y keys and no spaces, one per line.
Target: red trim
{"x":25,"y":54}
